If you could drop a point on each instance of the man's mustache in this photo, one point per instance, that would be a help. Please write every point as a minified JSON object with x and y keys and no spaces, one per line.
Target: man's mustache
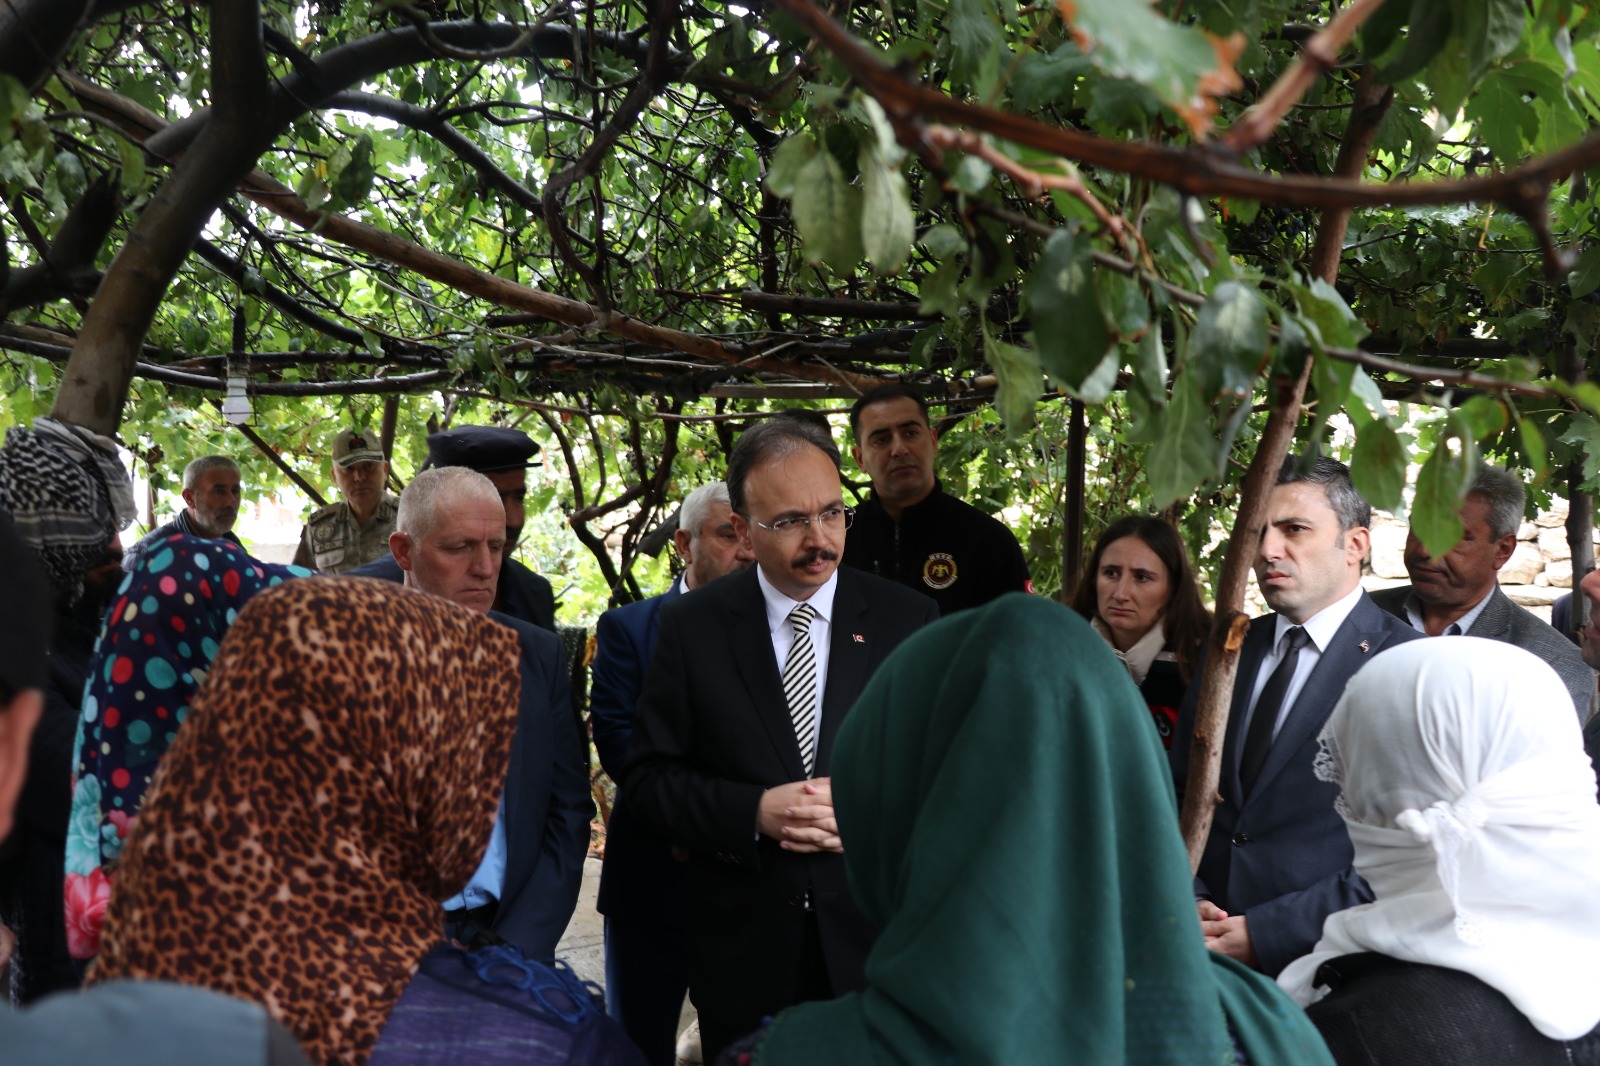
{"x":814,"y":554}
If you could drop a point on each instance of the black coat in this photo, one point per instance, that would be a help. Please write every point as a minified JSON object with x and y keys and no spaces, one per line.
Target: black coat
{"x":1282,"y":857}
{"x":944,"y":548}
{"x":1384,"y":1012}
{"x":712,"y":733}
{"x":33,"y":858}
{"x":548,"y":807}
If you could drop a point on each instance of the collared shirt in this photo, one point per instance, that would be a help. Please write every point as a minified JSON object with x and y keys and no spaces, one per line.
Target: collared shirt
{"x":1320,"y":628}
{"x":1457,"y":628}
{"x":779,"y":607}
{"x":489,"y":880}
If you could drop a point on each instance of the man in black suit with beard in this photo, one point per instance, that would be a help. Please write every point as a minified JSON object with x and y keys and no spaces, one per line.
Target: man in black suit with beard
{"x":731,"y":746}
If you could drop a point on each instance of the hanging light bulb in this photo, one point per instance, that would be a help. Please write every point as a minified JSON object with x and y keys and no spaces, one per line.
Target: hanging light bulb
{"x":236,"y":404}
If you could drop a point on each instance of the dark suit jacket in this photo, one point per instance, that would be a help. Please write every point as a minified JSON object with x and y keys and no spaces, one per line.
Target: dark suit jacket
{"x":1508,"y":623}
{"x":547,"y":802}
{"x":526,"y":595}
{"x":33,"y":857}
{"x":1282,"y":857}
{"x":712,"y":733}
{"x":640,"y":881}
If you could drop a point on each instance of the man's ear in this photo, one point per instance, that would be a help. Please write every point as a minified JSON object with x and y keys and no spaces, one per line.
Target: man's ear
{"x":683,"y":541}
{"x":741,"y":526}
{"x":1503,"y":549}
{"x":16,"y":729}
{"x":855,"y":453}
{"x":188,"y":498}
{"x":1359,"y":540}
{"x":400,"y":547}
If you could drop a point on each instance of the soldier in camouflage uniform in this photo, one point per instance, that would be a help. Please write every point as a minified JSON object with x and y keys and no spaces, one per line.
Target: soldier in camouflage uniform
{"x":344,"y":535}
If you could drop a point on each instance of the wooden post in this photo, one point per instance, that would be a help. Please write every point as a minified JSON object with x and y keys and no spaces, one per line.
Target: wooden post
{"x":1072,"y":513}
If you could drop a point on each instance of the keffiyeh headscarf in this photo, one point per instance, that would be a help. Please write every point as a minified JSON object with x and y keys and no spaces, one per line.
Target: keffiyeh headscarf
{"x":337,"y":779}
{"x":1470,"y":803}
{"x":68,"y":493}
{"x":1009,"y":825}
{"x":161,"y":633}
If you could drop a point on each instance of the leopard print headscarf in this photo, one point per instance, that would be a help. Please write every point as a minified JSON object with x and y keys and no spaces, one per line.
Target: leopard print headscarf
{"x":336,"y":779}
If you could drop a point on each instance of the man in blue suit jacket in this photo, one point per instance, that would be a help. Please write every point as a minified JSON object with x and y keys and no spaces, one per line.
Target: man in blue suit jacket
{"x":644,"y":889}
{"x":1278,"y":860}
{"x":448,"y":537}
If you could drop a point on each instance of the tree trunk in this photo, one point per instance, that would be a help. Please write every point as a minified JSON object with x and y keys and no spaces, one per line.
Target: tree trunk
{"x":94,"y":385}
{"x":1200,"y":797}
{"x":35,"y":34}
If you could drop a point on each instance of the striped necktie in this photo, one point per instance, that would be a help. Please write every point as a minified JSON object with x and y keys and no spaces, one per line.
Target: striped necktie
{"x":800,"y":685}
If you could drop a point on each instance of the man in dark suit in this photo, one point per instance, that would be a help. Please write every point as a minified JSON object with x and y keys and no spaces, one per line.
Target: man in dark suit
{"x":1459,"y":592}
{"x":731,"y":747}
{"x":1278,"y":859}
{"x":503,"y":456}
{"x":644,"y":888}
{"x":448,"y":537}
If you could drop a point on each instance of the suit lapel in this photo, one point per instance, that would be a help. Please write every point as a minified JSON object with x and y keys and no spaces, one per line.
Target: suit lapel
{"x":1257,"y":642}
{"x":750,"y":642}
{"x":847,"y":664}
{"x":1357,"y":640}
{"x":1495,"y":621}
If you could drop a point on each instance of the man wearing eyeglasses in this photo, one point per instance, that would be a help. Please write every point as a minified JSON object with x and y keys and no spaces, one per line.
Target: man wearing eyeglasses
{"x":732,"y":743}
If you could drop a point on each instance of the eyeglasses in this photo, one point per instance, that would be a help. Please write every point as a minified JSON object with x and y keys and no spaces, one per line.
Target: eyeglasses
{"x":834,"y":519}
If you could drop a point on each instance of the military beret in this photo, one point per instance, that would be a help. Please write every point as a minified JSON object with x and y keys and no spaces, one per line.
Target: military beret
{"x":486,"y":449}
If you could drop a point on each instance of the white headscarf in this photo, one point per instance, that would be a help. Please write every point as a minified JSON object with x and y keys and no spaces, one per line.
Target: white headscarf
{"x":1471,"y":806}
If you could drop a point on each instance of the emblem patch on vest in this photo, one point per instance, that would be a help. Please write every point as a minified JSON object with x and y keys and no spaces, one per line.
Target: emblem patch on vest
{"x":939,"y":572}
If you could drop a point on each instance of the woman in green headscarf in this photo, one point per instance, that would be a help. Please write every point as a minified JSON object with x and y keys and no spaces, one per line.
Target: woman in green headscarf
{"x":1009,"y":824}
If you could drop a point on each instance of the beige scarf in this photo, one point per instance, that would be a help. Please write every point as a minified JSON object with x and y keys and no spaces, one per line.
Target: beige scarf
{"x":1146,"y":650}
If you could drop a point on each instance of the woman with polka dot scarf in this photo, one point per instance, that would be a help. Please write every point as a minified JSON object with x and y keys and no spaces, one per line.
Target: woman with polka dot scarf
{"x":160,"y":636}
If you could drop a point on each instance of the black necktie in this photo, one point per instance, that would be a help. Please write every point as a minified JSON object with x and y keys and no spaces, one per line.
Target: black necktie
{"x":1258,"y":741}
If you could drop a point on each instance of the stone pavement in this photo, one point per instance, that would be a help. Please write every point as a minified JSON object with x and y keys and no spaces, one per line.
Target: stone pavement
{"x":583,"y":944}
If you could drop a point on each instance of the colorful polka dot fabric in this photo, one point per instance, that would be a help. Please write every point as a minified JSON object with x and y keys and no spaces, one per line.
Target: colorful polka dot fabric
{"x":162,"y":632}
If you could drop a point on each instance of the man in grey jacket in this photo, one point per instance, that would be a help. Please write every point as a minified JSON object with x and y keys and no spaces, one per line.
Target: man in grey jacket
{"x":1459,"y":592}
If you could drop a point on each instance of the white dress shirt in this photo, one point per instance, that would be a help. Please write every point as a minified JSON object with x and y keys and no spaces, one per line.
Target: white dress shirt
{"x":1460,"y":627}
{"x":779,"y":607}
{"x":1320,"y":628}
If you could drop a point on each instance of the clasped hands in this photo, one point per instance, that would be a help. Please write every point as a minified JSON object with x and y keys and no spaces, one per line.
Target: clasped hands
{"x":1228,"y":936}
{"x":799,"y":816}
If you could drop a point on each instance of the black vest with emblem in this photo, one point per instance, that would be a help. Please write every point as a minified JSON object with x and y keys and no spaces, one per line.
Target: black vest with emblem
{"x":943,"y":547}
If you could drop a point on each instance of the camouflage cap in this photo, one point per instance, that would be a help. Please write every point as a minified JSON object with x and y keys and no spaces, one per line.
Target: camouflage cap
{"x":357,"y":446}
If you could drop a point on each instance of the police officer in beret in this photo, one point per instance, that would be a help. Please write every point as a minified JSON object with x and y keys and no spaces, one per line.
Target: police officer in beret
{"x":503,"y":456}
{"x":344,"y":535}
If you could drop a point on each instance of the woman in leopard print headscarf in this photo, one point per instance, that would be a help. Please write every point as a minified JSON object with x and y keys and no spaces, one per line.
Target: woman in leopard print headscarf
{"x":336,"y":779}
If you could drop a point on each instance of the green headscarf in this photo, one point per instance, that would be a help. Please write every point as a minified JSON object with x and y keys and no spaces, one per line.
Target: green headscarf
{"x":1009,"y":824}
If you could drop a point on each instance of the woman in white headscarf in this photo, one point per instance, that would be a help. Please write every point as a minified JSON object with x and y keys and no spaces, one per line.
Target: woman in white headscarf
{"x":1472,"y":809}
